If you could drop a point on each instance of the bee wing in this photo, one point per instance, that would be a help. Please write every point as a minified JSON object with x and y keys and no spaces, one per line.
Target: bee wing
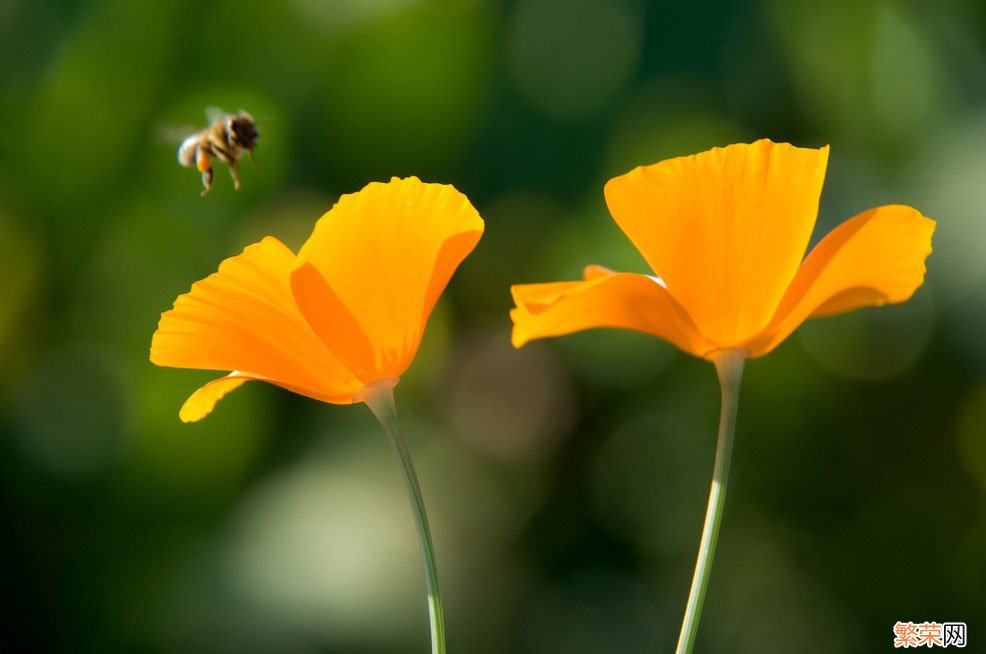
{"x":174,"y":133}
{"x":213,"y":113}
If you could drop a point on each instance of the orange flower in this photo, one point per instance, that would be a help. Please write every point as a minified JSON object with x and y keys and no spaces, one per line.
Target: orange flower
{"x":347,"y":311}
{"x":725,"y":231}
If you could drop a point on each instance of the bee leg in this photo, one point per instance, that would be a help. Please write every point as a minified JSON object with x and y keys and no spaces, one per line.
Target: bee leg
{"x":232,"y":173}
{"x":204,"y":163}
{"x":253,"y":160}
{"x":206,"y":181}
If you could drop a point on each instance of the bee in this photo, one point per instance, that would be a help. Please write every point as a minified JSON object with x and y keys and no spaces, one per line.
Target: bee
{"x":227,"y":138}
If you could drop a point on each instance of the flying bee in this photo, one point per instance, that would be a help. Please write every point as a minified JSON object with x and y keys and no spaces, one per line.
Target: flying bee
{"x":227,"y":138}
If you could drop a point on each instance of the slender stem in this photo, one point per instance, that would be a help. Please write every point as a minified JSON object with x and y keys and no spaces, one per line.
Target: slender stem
{"x":379,"y":396}
{"x":729,"y":366}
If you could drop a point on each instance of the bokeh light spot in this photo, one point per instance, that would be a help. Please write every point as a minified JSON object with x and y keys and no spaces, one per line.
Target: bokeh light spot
{"x":70,"y":413}
{"x":793,"y":610}
{"x":864,"y":70}
{"x":872,"y":343}
{"x":329,"y":546}
{"x":668,"y":118}
{"x":569,"y":59}
{"x":21,"y":267}
{"x":650,"y":476}
{"x":972,"y":434}
{"x":429,"y":69}
{"x":947,"y":184}
{"x":337,"y":16}
{"x":514,"y":404}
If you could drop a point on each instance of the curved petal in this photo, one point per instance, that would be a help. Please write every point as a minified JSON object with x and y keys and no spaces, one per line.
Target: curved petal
{"x":605,"y":299}
{"x":243,"y":318}
{"x":874,"y":258}
{"x":369,"y":275}
{"x":202,"y":401}
{"x":725,"y":229}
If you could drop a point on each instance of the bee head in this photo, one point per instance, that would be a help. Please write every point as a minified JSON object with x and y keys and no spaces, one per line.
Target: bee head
{"x":242,"y":130}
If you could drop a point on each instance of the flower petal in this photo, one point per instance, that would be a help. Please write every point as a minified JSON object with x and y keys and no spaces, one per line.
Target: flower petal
{"x":605,"y":299}
{"x":725,"y":229}
{"x":374,"y":267}
{"x":202,"y":401}
{"x":874,"y":258}
{"x":243,"y":318}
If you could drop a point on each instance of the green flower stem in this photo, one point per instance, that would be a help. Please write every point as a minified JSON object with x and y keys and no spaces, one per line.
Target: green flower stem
{"x":379,"y":396}
{"x":729,"y":366}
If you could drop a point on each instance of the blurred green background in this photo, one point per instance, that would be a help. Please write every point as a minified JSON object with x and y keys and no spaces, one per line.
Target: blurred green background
{"x":566,"y":481}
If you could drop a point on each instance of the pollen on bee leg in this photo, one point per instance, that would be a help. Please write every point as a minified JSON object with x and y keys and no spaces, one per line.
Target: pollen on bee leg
{"x":202,"y":161}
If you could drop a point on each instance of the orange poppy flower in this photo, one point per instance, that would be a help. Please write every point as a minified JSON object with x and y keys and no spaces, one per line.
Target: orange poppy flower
{"x":347,"y":311}
{"x":725,"y":232}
